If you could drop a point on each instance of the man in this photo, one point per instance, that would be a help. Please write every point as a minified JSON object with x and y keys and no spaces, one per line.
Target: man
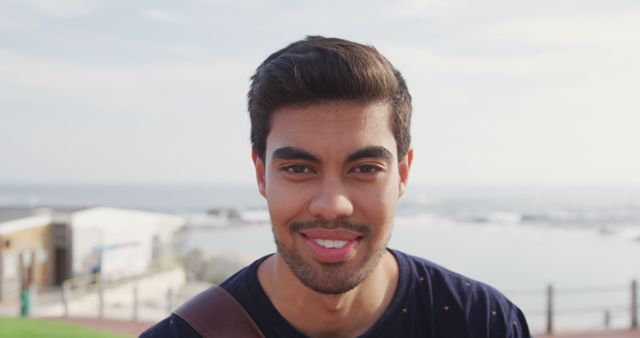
{"x":331,"y":147}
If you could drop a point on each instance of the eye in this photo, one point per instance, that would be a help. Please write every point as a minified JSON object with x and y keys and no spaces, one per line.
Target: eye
{"x":296,"y":169}
{"x":369,"y":169}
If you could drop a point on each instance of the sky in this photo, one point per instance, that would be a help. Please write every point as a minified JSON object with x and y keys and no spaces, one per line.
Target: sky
{"x":505,"y":92}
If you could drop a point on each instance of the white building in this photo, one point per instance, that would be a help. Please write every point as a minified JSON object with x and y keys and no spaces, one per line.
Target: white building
{"x":43,"y":247}
{"x":120,"y":243}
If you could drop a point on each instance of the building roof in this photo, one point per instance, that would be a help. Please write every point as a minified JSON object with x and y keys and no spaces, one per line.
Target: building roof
{"x":13,"y":213}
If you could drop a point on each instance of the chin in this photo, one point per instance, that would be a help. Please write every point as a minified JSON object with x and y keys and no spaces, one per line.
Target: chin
{"x":330,"y":278}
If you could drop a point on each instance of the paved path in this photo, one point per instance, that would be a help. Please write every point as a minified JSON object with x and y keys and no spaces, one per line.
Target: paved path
{"x":135,"y":328}
{"x":597,"y":334}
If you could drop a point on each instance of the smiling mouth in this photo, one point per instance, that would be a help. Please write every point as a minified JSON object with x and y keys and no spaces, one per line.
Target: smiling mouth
{"x":331,"y":246}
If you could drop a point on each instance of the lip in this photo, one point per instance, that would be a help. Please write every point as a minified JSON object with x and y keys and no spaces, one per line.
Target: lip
{"x":331,"y":255}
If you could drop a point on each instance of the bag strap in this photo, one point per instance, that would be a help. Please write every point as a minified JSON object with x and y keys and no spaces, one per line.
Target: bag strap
{"x":216,"y":313}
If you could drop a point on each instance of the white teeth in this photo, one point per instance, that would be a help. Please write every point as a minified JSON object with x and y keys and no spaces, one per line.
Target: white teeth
{"x":331,"y":244}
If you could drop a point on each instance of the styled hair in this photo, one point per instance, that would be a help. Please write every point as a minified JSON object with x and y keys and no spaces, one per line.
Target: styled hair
{"x":319,"y":69}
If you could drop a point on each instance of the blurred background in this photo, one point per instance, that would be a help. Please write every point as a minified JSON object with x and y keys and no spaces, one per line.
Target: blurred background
{"x":525,"y":129}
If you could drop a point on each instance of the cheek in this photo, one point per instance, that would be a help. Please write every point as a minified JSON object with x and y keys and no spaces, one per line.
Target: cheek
{"x":378,"y":206}
{"x":285,"y":202}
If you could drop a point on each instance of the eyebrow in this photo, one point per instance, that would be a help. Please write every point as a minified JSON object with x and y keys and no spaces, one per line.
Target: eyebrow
{"x":371,"y":152}
{"x":293,"y":153}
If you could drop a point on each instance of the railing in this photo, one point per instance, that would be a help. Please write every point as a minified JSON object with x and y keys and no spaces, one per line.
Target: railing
{"x":93,"y":284}
{"x":606,"y":310}
{"x":551,"y":311}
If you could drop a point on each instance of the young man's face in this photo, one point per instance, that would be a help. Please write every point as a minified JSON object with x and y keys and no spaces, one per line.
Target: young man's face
{"x":332,"y":178}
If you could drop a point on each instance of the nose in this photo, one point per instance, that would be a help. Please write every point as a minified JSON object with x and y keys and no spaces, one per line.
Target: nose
{"x":331,"y":202}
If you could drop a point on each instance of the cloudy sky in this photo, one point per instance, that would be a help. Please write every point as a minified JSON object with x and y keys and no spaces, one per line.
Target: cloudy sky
{"x":505,"y":92}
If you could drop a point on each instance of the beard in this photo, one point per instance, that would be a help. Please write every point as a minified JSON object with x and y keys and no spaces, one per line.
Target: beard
{"x":330,"y":278}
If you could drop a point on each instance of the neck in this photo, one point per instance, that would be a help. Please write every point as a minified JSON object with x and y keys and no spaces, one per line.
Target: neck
{"x":322,"y":315}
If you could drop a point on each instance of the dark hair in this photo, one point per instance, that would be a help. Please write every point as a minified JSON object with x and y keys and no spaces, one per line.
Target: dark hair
{"x":318,"y":69}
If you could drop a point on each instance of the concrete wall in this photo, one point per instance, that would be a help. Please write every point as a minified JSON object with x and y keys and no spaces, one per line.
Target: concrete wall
{"x":23,"y":241}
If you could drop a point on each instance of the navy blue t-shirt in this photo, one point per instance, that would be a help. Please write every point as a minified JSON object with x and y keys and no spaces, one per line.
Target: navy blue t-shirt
{"x":430,"y":301}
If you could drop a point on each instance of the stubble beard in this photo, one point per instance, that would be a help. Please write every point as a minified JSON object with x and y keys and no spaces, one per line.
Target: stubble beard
{"x":330,"y":278}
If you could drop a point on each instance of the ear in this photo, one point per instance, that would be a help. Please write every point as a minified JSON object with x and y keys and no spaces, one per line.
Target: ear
{"x":258,"y":163}
{"x":404,"y":167}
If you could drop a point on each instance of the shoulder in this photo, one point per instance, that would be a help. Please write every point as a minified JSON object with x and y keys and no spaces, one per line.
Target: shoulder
{"x":445,"y":284}
{"x":170,"y":327}
{"x":457,"y":300}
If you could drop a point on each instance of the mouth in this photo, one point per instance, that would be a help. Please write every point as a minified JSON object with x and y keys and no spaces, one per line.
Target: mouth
{"x":331,"y":245}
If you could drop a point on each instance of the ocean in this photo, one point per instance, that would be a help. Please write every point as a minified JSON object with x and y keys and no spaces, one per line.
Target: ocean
{"x":585,"y":241}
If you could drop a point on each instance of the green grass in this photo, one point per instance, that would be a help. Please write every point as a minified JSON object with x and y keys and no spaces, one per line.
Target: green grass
{"x":41,"y":328}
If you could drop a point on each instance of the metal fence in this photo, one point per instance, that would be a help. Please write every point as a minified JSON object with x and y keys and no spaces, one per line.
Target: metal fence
{"x":600,"y":306}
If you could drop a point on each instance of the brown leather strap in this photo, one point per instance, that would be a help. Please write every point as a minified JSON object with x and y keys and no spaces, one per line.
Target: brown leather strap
{"x":215,"y":313}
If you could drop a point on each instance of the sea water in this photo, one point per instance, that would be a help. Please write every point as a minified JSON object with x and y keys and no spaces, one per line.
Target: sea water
{"x":583,"y":241}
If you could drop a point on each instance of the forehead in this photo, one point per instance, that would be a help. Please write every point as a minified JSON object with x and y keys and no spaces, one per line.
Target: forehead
{"x":332,"y":126}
